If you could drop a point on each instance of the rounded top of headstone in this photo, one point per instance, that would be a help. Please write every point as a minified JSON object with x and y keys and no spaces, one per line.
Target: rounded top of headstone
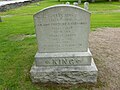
{"x":63,"y":5}
{"x":62,"y":28}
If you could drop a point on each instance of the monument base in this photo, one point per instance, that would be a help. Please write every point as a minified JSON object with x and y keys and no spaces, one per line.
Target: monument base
{"x":64,"y":74}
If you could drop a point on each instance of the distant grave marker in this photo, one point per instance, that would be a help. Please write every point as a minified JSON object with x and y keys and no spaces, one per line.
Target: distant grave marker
{"x":75,"y":3}
{"x":68,"y":3}
{"x":79,"y":1}
{"x":86,"y":5}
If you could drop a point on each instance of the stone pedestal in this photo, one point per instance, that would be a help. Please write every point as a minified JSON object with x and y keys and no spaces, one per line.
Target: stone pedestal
{"x":72,"y":67}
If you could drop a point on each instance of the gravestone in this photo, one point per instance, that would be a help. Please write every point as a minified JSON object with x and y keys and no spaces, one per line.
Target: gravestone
{"x":75,"y":3}
{"x":68,"y":3}
{"x":79,"y":1}
{"x":86,"y":5}
{"x":63,"y":55}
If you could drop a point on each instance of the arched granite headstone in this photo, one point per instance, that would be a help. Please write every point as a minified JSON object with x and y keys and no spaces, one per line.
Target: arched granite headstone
{"x":63,"y":54}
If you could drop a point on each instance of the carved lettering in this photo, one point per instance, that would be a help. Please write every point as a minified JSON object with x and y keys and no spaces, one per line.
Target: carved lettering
{"x":55,"y":62}
{"x":71,"y":62}
{"x":65,"y":61}
{"x":62,"y":31}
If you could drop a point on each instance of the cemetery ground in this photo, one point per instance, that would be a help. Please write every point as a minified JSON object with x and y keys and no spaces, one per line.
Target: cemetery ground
{"x":18,"y":46}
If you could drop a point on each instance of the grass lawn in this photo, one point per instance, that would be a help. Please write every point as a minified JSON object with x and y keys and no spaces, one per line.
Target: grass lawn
{"x":18,"y":45}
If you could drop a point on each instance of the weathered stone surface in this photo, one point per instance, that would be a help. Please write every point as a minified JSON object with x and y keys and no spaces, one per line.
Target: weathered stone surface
{"x":86,"y":4}
{"x":63,"y":55}
{"x":63,"y":28}
{"x":63,"y":59}
{"x":79,"y":1}
{"x":64,"y":74}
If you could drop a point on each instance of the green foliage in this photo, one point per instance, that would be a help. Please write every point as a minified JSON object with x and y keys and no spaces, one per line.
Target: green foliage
{"x":18,"y":46}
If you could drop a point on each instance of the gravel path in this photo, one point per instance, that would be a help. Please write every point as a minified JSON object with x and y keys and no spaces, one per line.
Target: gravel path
{"x":105,"y":47}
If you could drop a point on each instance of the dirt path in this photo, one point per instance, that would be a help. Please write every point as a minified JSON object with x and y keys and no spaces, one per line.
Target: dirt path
{"x":105,"y":47}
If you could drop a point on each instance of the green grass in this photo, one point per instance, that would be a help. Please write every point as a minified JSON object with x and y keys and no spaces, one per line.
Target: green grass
{"x":105,"y":20}
{"x":17,"y":54}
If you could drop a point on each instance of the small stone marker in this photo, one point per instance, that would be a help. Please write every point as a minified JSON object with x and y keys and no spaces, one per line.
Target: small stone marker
{"x":79,"y":1}
{"x":86,"y":5}
{"x":67,"y":3}
{"x":63,"y":55}
{"x":75,"y":3}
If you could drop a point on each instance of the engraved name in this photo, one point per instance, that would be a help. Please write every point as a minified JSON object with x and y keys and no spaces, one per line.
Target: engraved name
{"x":64,"y":61}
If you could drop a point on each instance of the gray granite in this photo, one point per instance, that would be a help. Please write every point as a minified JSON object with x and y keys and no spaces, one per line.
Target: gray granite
{"x":64,"y":58}
{"x":86,"y":5}
{"x":64,"y":74}
{"x":63,"y":54}
{"x":67,"y":29}
{"x":79,"y":1}
{"x":67,"y":3}
{"x":75,"y":3}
